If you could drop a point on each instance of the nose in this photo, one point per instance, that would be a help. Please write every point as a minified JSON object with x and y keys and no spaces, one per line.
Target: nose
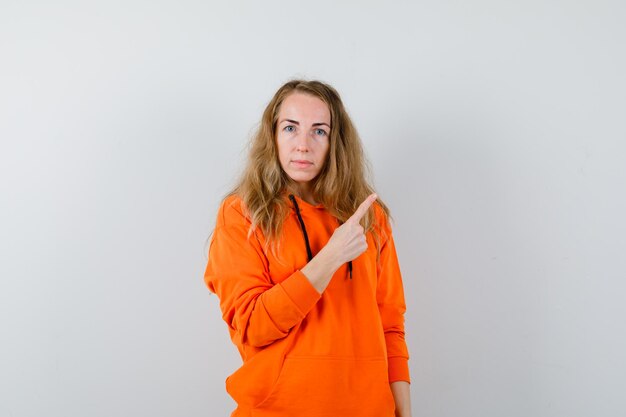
{"x":302,"y":142}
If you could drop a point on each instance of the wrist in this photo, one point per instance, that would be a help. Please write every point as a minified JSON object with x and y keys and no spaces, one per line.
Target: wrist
{"x":328,"y":257}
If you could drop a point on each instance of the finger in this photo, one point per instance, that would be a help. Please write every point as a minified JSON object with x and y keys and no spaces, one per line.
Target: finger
{"x":362,"y":209}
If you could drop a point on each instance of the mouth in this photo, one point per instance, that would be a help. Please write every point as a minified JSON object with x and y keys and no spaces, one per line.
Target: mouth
{"x":301,"y":163}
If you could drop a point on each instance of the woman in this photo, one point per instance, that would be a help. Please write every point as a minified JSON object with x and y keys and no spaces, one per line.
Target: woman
{"x":303,"y":262}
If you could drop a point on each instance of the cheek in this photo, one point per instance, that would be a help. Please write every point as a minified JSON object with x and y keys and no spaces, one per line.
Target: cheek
{"x":280,"y":148}
{"x":283,"y":154}
{"x":325,"y":151}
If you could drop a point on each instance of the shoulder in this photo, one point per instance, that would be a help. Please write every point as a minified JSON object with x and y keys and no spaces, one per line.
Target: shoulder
{"x":232,"y":211}
{"x":381,"y":221}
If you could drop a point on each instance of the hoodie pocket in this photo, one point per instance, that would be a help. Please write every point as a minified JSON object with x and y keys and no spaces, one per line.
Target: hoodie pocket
{"x":320,"y":386}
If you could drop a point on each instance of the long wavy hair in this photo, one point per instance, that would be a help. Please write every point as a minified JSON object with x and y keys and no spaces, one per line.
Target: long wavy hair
{"x":341,"y":186}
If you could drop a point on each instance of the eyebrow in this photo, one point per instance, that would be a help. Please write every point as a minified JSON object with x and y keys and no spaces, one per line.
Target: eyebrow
{"x":298,"y":123}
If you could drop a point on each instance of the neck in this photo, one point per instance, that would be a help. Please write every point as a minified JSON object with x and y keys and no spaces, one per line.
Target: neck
{"x":304,"y":192}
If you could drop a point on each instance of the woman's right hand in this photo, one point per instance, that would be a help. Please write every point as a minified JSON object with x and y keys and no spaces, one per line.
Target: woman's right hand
{"x":348,"y":240}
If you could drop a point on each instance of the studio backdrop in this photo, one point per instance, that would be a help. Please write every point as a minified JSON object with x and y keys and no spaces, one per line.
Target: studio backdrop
{"x":495,"y":132}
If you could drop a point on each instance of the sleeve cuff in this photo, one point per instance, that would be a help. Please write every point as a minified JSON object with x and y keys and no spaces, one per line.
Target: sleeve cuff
{"x":301,"y":291}
{"x":398,"y":369}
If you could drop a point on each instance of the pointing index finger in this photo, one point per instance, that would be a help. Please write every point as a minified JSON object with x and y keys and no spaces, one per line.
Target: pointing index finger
{"x":362,"y":209}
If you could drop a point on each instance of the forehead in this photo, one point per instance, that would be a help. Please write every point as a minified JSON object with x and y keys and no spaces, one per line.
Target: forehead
{"x":300,"y":106}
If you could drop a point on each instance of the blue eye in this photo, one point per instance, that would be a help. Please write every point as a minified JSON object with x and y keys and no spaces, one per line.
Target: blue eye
{"x":288,"y":127}
{"x":320,"y":132}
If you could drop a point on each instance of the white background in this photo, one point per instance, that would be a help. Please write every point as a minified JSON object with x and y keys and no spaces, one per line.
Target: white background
{"x":496,"y":131}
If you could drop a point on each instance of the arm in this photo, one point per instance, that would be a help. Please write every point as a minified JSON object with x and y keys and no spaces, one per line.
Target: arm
{"x":391,"y":304}
{"x":256,"y":311}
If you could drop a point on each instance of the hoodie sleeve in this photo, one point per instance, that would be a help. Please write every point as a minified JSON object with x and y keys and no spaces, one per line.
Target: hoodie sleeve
{"x":391,"y":304}
{"x":256,"y":310}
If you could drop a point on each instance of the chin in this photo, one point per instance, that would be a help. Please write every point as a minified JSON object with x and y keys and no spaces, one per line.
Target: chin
{"x":299,"y":177}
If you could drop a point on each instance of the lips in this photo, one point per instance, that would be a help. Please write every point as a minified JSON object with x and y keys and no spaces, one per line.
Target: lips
{"x":301,"y":163}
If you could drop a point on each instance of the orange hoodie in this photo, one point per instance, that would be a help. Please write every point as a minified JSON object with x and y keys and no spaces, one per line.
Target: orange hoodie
{"x":305,"y":353}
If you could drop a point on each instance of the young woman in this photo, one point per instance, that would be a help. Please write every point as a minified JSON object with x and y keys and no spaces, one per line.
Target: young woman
{"x":303,"y":262}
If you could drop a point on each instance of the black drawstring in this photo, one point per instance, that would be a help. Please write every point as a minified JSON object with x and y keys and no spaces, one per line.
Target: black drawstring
{"x":306,"y":237}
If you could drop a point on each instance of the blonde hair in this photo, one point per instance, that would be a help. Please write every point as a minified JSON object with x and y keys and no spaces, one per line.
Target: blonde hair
{"x":341,"y":186}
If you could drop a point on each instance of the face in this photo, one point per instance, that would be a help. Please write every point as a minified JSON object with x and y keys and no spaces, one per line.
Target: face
{"x":302,"y":136}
